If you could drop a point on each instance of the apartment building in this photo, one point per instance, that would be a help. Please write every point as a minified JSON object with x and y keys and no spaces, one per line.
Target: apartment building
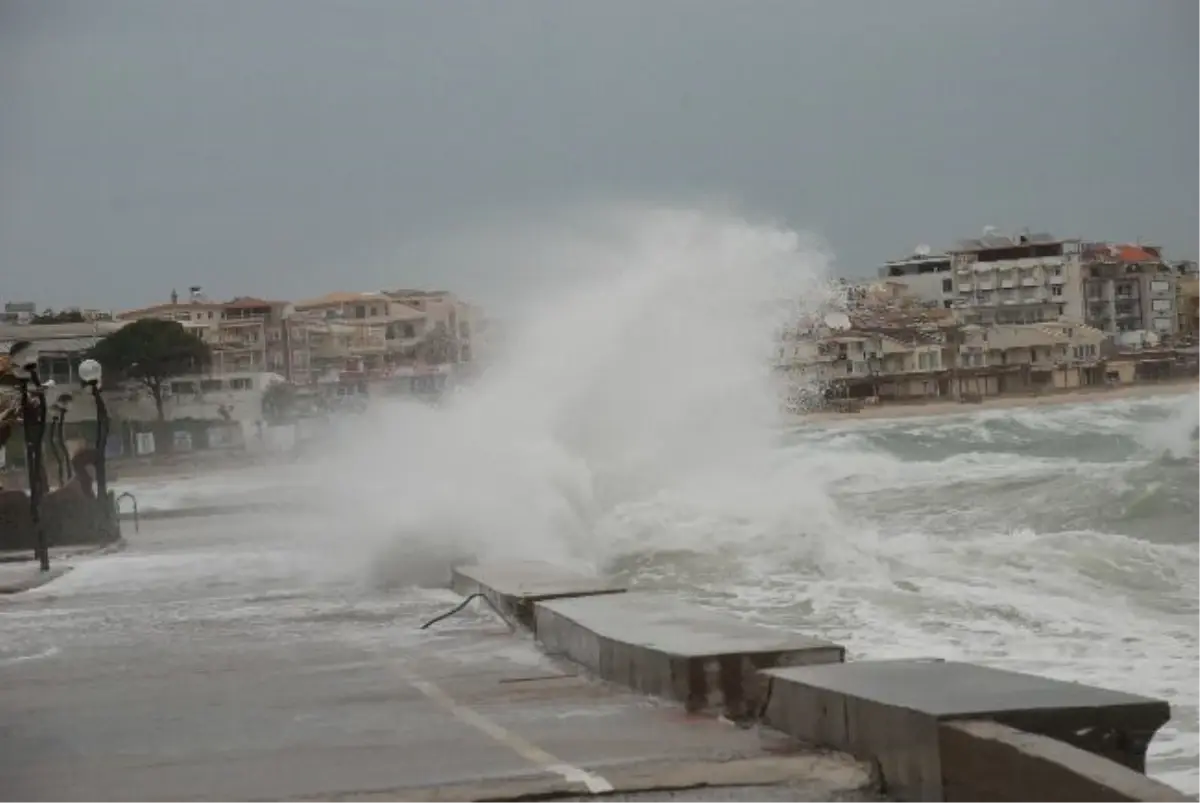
{"x":1031,"y":357}
{"x":1129,"y":289}
{"x":389,"y":335}
{"x":61,"y":346}
{"x":924,"y":275}
{"x":923,"y":359}
{"x":18,"y":312}
{"x":453,"y":319}
{"x":896,"y":360}
{"x":360,"y":335}
{"x":245,"y":334}
{"x":1019,"y":279}
{"x":1187,"y":305}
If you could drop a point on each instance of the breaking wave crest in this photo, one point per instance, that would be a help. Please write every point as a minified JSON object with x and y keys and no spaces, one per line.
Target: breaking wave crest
{"x":632,"y":426}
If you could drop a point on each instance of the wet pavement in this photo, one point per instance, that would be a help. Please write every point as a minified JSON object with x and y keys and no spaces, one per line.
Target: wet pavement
{"x":232,"y":658}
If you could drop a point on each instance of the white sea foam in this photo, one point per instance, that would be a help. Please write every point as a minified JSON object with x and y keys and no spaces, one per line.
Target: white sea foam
{"x":632,"y":426}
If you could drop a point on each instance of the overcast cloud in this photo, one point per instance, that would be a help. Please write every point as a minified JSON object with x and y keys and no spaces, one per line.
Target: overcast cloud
{"x":291,"y":147}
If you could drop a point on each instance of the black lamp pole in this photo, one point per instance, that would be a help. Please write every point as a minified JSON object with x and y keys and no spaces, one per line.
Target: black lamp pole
{"x":102,"y":425}
{"x":56,"y":445}
{"x":23,"y":357}
{"x":89,"y":375}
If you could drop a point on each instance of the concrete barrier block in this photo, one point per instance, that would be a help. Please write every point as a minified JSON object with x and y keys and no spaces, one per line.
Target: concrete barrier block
{"x":659,"y":645}
{"x":514,"y":586}
{"x":983,"y":761}
{"x":890,"y":712}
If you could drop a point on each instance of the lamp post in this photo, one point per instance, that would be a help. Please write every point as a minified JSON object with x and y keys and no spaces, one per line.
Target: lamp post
{"x":58,"y":440}
{"x":24,"y":358}
{"x":90,"y":374}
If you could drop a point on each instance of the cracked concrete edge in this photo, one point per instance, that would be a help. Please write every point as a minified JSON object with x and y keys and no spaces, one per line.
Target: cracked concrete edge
{"x":825,"y":773}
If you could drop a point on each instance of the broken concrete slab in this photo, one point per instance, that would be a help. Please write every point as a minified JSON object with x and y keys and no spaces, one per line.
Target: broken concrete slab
{"x":890,"y":712}
{"x":661,"y":645}
{"x":514,"y":586}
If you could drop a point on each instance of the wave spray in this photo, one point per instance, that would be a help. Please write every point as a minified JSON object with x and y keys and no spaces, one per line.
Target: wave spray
{"x":646,"y":374}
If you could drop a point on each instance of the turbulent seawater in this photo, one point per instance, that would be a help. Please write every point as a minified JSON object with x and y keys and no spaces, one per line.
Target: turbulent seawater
{"x":633,"y":427}
{"x":1055,"y":540}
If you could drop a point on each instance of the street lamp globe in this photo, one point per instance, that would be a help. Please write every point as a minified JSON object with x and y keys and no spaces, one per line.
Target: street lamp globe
{"x":23,"y":356}
{"x":90,"y":372}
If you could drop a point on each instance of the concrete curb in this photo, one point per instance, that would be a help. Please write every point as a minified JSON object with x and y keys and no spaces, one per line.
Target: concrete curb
{"x":920,"y":722}
{"x":515,"y":587}
{"x":659,"y":645}
{"x":30,"y":579}
{"x":64,"y":553}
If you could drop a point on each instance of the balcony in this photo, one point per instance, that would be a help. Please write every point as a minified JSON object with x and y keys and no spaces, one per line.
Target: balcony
{"x":1031,"y":281}
{"x":1059,"y":280}
{"x":985,"y":286}
{"x":1008,"y":284}
{"x":964,"y":287}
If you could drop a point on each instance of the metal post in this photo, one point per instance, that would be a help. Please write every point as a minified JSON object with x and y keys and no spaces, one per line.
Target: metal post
{"x":102,"y":424}
{"x":34,"y":415}
{"x":62,"y":442}
{"x":56,"y":445}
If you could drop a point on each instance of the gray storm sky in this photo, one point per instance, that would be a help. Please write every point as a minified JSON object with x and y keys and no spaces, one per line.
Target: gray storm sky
{"x":291,"y":147}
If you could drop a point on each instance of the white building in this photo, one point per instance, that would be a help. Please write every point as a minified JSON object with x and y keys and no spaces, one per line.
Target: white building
{"x":235,"y":396}
{"x":925,"y":275}
{"x":1025,"y":278}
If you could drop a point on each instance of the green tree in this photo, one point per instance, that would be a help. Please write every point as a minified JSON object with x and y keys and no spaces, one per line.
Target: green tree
{"x":279,"y":402}
{"x":151,"y":351}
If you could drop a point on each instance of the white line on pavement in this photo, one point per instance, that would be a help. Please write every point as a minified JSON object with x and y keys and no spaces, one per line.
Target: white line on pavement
{"x":530,"y":752}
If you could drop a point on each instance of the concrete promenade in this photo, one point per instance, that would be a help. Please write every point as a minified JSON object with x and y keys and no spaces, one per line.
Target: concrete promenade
{"x":212,"y":659}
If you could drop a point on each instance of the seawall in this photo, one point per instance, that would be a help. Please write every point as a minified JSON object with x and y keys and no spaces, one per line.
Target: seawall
{"x":935,"y":730}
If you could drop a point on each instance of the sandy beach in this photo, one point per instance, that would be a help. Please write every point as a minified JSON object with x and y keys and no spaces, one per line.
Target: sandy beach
{"x":937,"y":408}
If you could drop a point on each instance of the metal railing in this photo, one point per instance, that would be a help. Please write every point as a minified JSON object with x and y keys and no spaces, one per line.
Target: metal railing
{"x":136,"y":525}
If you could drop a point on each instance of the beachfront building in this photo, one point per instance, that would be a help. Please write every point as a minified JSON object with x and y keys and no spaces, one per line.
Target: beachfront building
{"x":870,"y":357}
{"x":890,"y":360}
{"x":1055,"y":355}
{"x":61,"y":346}
{"x":1019,"y":279}
{"x":1130,"y":291}
{"x":398,"y":342}
{"x":924,"y":275}
{"x":245,"y":335}
{"x":1187,"y":306}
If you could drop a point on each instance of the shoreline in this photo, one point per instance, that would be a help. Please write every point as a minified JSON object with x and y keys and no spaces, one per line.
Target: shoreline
{"x":930,"y":409}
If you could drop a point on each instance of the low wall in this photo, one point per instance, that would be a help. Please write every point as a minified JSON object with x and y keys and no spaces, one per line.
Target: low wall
{"x":984,"y":760}
{"x":936,"y":730}
{"x":68,"y":516}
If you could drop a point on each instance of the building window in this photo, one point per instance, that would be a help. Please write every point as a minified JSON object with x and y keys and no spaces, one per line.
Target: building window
{"x":240,"y":383}
{"x":1160,"y":287}
{"x":1056,"y":290}
{"x":211,"y":385}
{"x":947,"y":285}
{"x":183,"y":388}
{"x":1161,"y":304}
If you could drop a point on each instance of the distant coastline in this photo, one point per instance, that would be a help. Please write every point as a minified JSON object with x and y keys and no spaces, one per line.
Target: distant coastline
{"x":936,"y":407}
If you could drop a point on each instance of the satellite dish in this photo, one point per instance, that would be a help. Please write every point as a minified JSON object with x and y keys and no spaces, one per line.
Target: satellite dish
{"x":837,"y":320}
{"x":922,"y":250}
